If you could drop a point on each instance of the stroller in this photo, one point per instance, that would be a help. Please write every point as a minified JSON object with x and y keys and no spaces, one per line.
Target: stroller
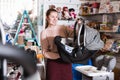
{"x":8,"y":52}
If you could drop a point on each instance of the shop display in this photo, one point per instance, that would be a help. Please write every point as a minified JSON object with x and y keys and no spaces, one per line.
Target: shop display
{"x":25,"y":35}
{"x":87,"y":8}
{"x":97,"y":16}
{"x":108,"y":24}
{"x":102,"y":15}
{"x":108,"y":6}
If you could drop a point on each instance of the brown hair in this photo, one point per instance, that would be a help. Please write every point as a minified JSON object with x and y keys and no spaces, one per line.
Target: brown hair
{"x":47,"y":14}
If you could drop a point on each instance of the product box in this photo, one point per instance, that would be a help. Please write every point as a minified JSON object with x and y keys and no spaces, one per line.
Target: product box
{"x":29,"y":43}
{"x":20,"y":39}
{"x":35,"y":48}
{"x":109,"y":76}
{"x":91,"y":73}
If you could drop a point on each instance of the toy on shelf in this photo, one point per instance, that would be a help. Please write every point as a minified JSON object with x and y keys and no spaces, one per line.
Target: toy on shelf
{"x":59,"y":10}
{"x":72,"y":13}
{"x":65,"y":13}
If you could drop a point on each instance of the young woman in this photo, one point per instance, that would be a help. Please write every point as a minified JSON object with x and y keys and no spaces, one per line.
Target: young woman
{"x":56,"y":69}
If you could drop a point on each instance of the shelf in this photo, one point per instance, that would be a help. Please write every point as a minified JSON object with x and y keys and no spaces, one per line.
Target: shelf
{"x":26,"y":23}
{"x":20,"y":45}
{"x":107,"y":31}
{"x":66,"y":22}
{"x":63,"y":2}
{"x":100,"y":14}
{"x":40,"y":64}
{"x":30,"y":39}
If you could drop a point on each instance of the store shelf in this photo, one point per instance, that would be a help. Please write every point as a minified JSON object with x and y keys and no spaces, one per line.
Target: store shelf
{"x":25,"y":31}
{"x":26,"y":23}
{"x":20,"y":45}
{"x":30,"y":39}
{"x":40,"y":64}
{"x":107,"y":31}
{"x":100,"y":14}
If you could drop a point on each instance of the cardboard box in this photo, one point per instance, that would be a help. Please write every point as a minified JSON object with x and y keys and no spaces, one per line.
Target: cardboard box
{"x":109,"y":76}
{"x":91,"y":73}
{"x":20,"y":40}
{"x":32,"y":48}
{"x":29,"y":43}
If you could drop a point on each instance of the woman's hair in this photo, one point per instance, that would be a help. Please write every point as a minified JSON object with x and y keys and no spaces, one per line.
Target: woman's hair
{"x":81,"y":19}
{"x":47,"y":14}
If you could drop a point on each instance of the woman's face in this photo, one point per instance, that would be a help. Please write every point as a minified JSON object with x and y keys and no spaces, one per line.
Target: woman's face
{"x":52,"y":18}
{"x":79,"y":21}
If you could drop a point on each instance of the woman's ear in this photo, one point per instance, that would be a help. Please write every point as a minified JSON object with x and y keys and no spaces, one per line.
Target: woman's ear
{"x":46,"y":18}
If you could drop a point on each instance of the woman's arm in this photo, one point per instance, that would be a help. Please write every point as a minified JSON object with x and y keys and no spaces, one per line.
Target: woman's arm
{"x":45,"y":48}
{"x":69,"y":32}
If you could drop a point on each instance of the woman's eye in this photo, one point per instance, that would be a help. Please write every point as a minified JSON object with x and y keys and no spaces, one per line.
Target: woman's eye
{"x":52,"y":16}
{"x":56,"y":16}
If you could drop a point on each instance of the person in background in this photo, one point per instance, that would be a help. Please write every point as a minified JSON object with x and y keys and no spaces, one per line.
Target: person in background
{"x":56,"y":69}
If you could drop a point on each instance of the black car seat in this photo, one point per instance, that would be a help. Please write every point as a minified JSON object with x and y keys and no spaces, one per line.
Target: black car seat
{"x":105,"y":62}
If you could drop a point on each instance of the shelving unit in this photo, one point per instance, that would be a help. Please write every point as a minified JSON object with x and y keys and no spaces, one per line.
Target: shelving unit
{"x":62,"y":3}
{"x":26,"y":38}
{"x":105,"y":20}
{"x":25,"y":34}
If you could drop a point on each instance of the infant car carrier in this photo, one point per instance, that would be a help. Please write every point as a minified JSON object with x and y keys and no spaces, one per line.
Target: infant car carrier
{"x":88,"y":43}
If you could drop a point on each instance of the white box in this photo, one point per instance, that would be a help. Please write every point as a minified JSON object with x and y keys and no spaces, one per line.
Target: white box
{"x":109,"y":76}
{"x":91,"y":73}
